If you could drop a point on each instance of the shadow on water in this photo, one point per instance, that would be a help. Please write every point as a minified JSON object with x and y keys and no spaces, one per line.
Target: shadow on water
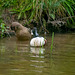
{"x":18,"y":58}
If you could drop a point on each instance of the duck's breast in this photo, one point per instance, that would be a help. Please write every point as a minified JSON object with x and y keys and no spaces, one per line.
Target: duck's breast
{"x":38,"y":41}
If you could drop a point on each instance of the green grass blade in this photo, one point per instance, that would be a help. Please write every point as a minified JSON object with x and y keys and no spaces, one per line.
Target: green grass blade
{"x":52,"y":41}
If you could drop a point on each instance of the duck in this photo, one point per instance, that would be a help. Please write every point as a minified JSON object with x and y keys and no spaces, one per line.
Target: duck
{"x":22,"y":33}
{"x":37,"y":40}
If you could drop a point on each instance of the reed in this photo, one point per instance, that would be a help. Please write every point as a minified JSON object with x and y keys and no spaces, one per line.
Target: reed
{"x":52,"y":41}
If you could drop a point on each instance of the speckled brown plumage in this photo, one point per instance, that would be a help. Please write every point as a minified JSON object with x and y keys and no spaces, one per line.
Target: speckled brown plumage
{"x":22,"y":33}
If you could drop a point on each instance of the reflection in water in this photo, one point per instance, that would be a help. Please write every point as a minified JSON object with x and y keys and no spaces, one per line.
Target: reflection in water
{"x":22,"y":46}
{"x":18,"y":58}
{"x":37,"y":51}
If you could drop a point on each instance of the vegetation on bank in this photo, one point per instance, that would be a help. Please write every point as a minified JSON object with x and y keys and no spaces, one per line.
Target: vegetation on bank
{"x":50,"y":14}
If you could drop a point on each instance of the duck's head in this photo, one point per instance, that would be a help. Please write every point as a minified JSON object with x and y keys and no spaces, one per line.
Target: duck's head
{"x":16,"y":26}
{"x":34,"y":32}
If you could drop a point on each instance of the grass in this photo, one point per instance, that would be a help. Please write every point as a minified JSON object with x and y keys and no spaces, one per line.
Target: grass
{"x":52,"y":41}
{"x":2,"y":29}
{"x":36,"y":9}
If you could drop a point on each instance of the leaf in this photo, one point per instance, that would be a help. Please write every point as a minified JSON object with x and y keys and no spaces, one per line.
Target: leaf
{"x":52,"y":16}
{"x":28,"y":7}
{"x":2,"y":31}
{"x":19,"y":16}
{"x":14,"y":11}
{"x":32,"y":14}
{"x":7,"y":27}
{"x":70,"y":9}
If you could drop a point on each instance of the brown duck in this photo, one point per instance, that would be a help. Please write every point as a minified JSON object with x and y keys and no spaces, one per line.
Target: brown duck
{"x":22,"y":33}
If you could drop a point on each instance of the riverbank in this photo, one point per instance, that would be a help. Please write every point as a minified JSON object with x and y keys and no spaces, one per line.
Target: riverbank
{"x":51,"y":16}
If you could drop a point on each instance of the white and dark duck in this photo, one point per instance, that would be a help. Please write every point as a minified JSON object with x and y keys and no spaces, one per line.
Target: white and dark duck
{"x":37,"y":40}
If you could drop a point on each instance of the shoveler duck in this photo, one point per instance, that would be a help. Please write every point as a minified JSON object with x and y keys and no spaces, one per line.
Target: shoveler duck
{"x":37,"y":40}
{"x":22,"y":33}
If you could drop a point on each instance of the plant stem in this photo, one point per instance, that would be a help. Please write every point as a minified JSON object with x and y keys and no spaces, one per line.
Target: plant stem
{"x":52,"y":41}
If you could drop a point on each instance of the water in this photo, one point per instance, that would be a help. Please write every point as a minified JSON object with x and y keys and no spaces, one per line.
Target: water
{"x":18,"y":58}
